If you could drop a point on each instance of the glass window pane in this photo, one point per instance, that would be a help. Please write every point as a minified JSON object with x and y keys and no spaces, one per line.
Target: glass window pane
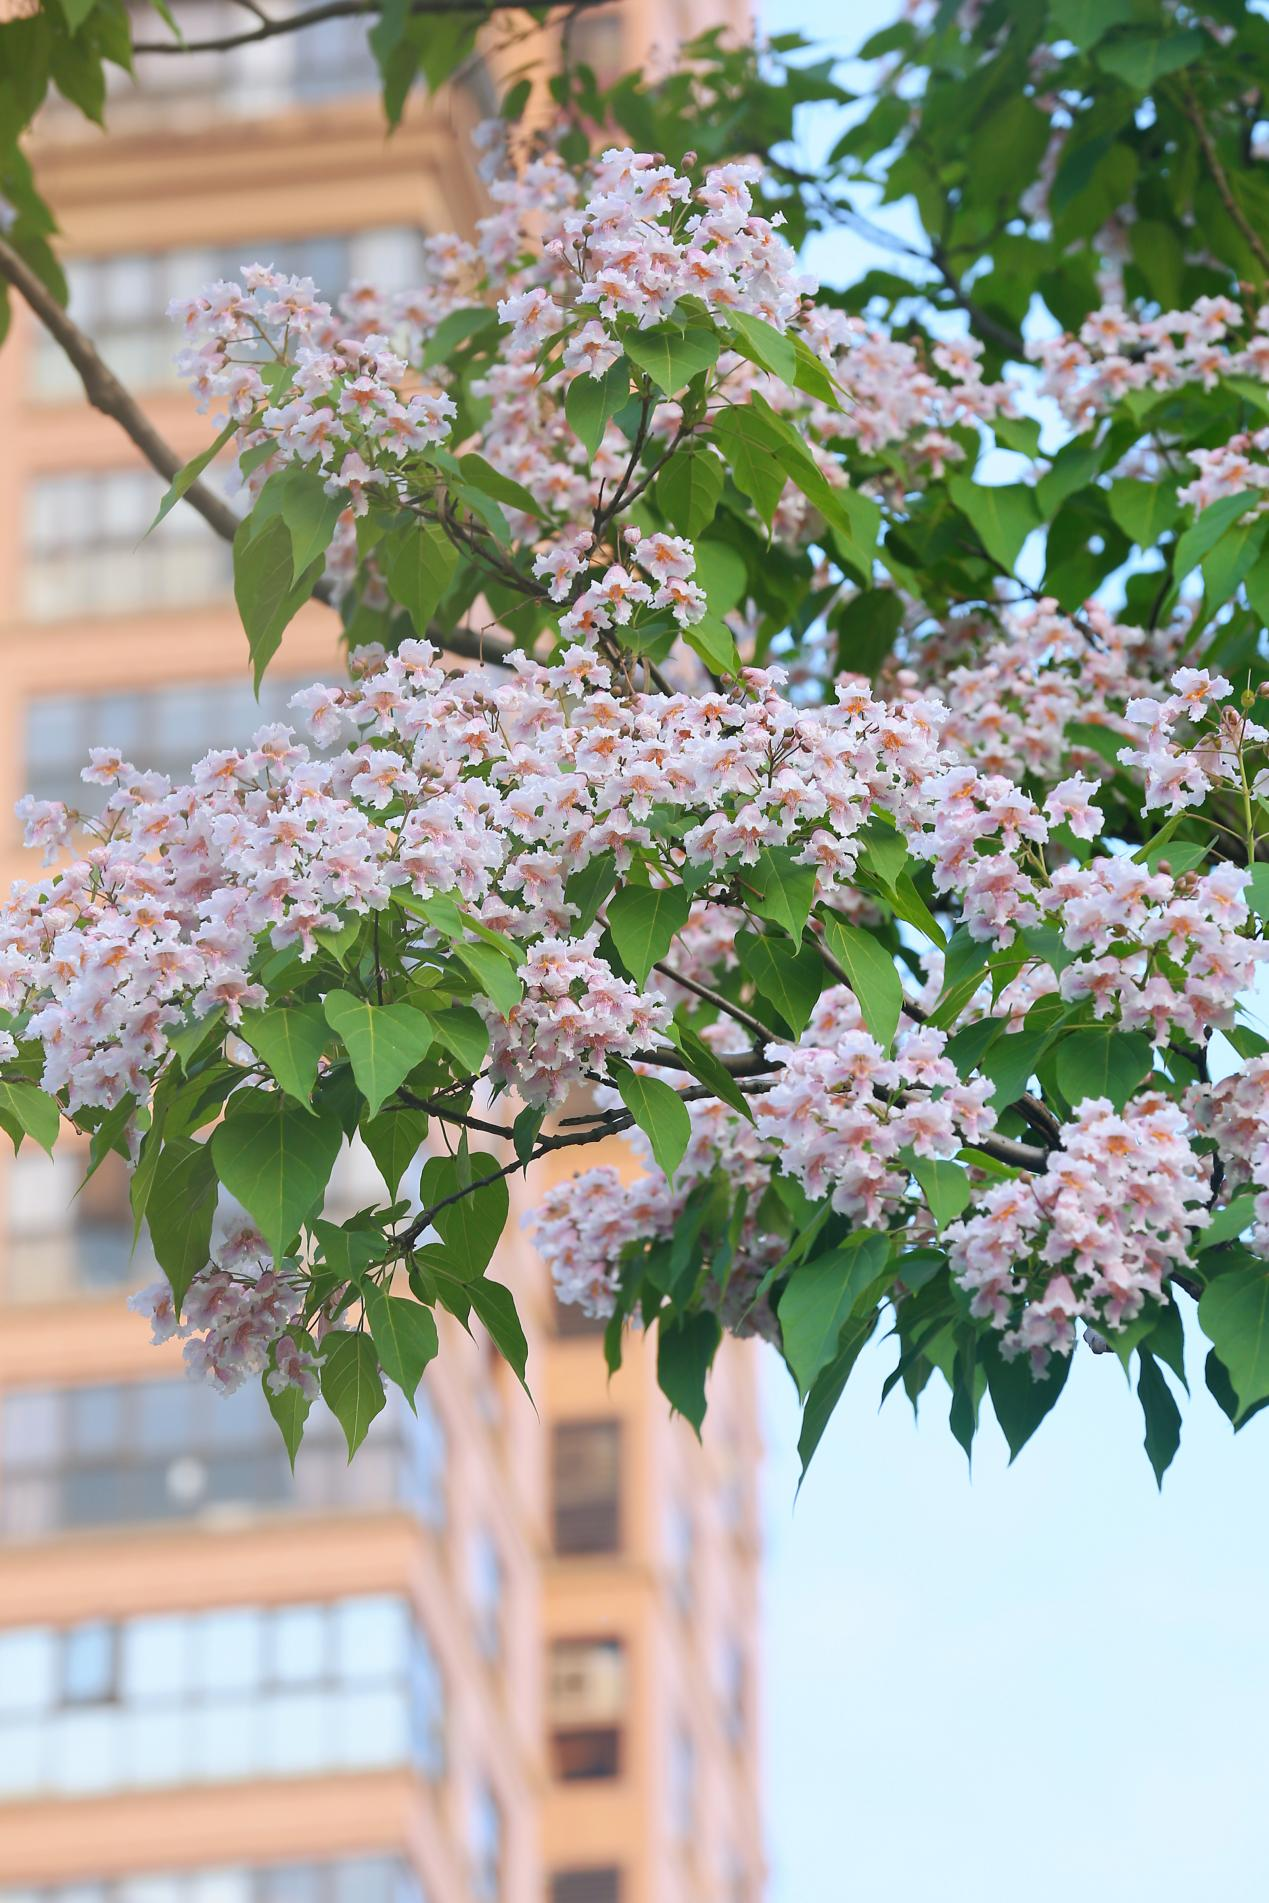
{"x":28,"y":1670}
{"x":228,"y":1650}
{"x":298,"y":1645}
{"x":88,"y":1663}
{"x":156,"y":1658}
{"x":371,"y":1639}
{"x":97,"y":1420}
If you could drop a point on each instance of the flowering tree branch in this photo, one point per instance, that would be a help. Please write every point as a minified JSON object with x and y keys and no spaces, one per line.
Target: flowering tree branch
{"x":107,"y":394}
{"x":882,"y":904}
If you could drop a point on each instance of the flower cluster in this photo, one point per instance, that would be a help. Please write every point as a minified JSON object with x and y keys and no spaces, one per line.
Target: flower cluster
{"x":1014,"y":695}
{"x":340,"y":402}
{"x":236,"y":1312}
{"x":1115,"y":353}
{"x":575,"y":1015}
{"x":1092,"y":1237}
{"x":584,"y":1225}
{"x":846,"y":1119}
{"x":1235,"y":1114}
{"x":1182,"y":772}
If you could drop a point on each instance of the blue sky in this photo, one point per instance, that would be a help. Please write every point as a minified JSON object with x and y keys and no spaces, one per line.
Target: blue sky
{"x":1047,"y":1681}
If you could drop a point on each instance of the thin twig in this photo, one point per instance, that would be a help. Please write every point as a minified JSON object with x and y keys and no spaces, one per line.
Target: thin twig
{"x":736,"y":1011}
{"x":1220,"y":178}
{"x":270,"y":29}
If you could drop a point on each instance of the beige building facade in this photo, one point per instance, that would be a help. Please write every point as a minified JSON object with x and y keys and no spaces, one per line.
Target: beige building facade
{"x":507,"y":1656}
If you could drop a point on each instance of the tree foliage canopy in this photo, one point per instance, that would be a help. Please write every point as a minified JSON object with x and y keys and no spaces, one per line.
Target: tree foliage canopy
{"x":857,"y":798}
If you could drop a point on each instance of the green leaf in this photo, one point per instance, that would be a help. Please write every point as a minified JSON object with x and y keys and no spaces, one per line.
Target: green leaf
{"x":708,"y":1070}
{"x":1234,"y":1315}
{"x":352,"y":1386}
{"x":457,"y":327}
{"x":866,"y":628}
{"x":1094,"y":1064}
{"x":180,"y":1211}
{"x":1084,"y":22}
{"x":945,"y":1187}
{"x":1143,"y":510}
{"x":350,"y":1248}
{"x":404,"y":1333}
{"x":299,"y":496}
{"x":418,"y":566}
{"x":25,"y":1110}
{"x":496,"y":1308}
{"x":790,"y":980}
{"x":659,"y":1112}
{"x":751,"y":453}
{"x":290,"y":1408}
{"x":820,"y":1297}
{"x":1021,"y":1399}
{"x":290,"y":1039}
{"x":1204,"y":533}
{"x":267,"y":594}
{"x":764,"y":345}
{"x":831,"y":1385}
{"x":1011,"y":1062}
{"x":185,"y":478}
{"x":1162,"y":1416}
{"x":384,"y":1042}
{"x":785,"y":890}
{"x":714,"y":642}
{"x":493,"y":974}
{"x":871,"y":974}
{"x":1074,"y":466}
{"x":1227,"y":1224}
{"x":686,"y":1346}
{"x":472,"y":1224}
{"x":644,"y":920}
{"x":1220,"y":1387}
{"x":394,"y":1140}
{"x":464,"y":1034}
{"x":276,"y":1158}
{"x":1003,"y":516}
{"x":672,"y":356}
{"x":1143,"y":61}
{"x":491,"y":482}
{"x":590,"y":403}
{"x":689,"y":489}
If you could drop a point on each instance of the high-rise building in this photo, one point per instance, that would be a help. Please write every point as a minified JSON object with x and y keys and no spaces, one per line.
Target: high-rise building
{"x":506,"y":1656}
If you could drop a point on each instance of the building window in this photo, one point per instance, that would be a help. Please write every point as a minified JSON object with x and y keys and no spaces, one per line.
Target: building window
{"x":345,"y":1880}
{"x":119,"y":1454}
{"x":161,"y":729}
{"x":488,"y":1591}
{"x":733,"y":1688}
{"x":586,"y":1708}
{"x":486,"y":1845}
{"x":586,"y":1487}
{"x":681,"y":1554}
{"x":67,"y":1237}
{"x":122,"y":300}
{"x":683,"y":1784}
{"x":87,"y":553}
{"x":208,"y":1697}
{"x":599,"y":1885}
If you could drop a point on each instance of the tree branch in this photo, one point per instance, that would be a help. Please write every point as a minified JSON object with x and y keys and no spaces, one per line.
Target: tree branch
{"x":1220,"y":179}
{"x":107,"y":394}
{"x":270,"y":29}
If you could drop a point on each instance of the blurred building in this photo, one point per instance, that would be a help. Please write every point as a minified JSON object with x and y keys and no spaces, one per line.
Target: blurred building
{"x":505,"y":1657}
